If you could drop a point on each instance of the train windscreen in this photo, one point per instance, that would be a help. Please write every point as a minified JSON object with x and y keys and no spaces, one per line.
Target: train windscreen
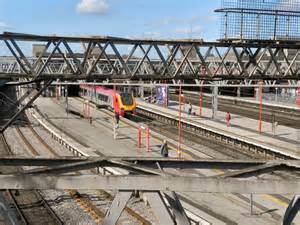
{"x":126,"y":98}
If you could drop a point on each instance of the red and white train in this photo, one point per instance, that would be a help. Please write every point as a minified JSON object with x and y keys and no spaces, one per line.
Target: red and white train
{"x":121,"y":102}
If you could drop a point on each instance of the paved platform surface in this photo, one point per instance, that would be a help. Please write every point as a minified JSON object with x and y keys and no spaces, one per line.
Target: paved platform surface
{"x":254,"y":100}
{"x":98,"y":135}
{"x":285,"y":139}
{"x":218,"y":209}
{"x":287,"y":105}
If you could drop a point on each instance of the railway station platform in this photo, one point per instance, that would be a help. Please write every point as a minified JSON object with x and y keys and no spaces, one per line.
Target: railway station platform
{"x":285,"y":140}
{"x":253,"y":100}
{"x":277,"y":104}
{"x":98,"y":138}
{"x":99,"y":135}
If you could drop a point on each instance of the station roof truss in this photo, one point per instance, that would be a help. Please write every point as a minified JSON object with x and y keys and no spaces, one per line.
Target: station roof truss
{"x":112,"y":58}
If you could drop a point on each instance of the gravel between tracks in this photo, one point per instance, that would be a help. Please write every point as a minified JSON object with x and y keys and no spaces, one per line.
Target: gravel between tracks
{"x":67,"y":210}
{"x":94,"y":196}
{"x":65,"y":207}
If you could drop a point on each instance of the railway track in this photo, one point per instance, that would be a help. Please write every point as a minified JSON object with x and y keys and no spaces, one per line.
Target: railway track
{"x":30,"y":206}
{"x":213,"y":150}
{"x":284,"y":116}
{"x":168,"y":130}
{"x":88,"y":206}
{"x":215,"y":135}
{"x":244,"y":201}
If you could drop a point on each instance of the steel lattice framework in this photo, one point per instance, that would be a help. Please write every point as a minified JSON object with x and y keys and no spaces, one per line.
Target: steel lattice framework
{"x":161,"y":187}
{"x":260,"y":19}
{"x":101,"y":58}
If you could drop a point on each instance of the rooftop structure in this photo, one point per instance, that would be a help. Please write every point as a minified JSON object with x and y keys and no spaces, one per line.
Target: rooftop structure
{"x":260,"y":19}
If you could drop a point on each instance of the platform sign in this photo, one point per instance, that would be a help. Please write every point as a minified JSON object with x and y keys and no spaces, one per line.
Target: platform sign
{"x":162,"y":95}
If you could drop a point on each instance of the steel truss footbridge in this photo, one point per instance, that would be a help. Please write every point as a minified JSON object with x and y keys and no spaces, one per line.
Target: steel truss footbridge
{"x":27,"y":58}
{"x":102,"y":58}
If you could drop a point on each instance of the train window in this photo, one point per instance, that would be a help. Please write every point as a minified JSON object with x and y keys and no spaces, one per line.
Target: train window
{"x":102,"y":98}
{"x":126,"y":98}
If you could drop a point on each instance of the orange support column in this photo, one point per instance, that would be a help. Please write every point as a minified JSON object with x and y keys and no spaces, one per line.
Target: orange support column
{"x":260,"y":106}
{"x":183,"y":101}
{"x":179,"y":124}
{"x":201,"y":100}
{"x":147,"y":139}
{"x":298,"y":98}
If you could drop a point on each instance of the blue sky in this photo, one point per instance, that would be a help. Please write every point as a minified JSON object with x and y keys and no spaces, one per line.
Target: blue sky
{"x":124,"y":18}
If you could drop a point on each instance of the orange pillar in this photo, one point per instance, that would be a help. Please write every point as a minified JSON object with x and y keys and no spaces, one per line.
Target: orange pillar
{"x":147,"y":139}
{"x":179,"y":124}
{"x":260,"y":106}
{"x":201,"y":100}
{"x":298,"y":98}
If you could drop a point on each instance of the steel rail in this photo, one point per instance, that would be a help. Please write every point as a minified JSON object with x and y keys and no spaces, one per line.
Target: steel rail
{"x":288,"y":118}
{"x":39,"y":196}
{"x":94,"y":212}
{"x":17,"y":207}
{"x":216,"y":134}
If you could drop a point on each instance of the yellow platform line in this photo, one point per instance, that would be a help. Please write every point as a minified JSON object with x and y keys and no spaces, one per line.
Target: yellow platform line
{"x":275,"y":200}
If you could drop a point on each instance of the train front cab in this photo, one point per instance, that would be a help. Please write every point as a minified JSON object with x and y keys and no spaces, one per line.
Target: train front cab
{"x":126,"y":104}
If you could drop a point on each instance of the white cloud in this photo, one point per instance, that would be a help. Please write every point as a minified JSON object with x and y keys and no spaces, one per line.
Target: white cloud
{"x":175,"y":20}
{"x":146,"y":35}
{"x":188,"y":30}
{"x":152,"y":34}
{"x":4,"y":25}
{"x":92,"y":7}
{"x":210,"y":18}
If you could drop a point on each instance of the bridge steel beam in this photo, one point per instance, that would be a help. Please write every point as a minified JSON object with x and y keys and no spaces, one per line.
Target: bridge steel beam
{"x":159,"y":207}
{"x":141,"y":59}
{"x":35,"y":94}
{"x":147,"y":164}
{"x":116,"y":208}
{"x":152,"y":183}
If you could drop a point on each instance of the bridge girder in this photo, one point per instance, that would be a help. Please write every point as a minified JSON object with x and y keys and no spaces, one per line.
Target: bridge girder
{"x":101,"y":58}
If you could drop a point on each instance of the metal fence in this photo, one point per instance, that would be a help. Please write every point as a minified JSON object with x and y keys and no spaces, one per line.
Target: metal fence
{"x":282,"y":95}
{"x":260,"y":19}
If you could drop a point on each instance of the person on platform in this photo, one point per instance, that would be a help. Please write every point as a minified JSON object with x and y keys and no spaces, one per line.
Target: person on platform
{"x":117,"y":118}
{"x":228,"y":118}
{"x":190,"y":109}
{"x":164,"y":151}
